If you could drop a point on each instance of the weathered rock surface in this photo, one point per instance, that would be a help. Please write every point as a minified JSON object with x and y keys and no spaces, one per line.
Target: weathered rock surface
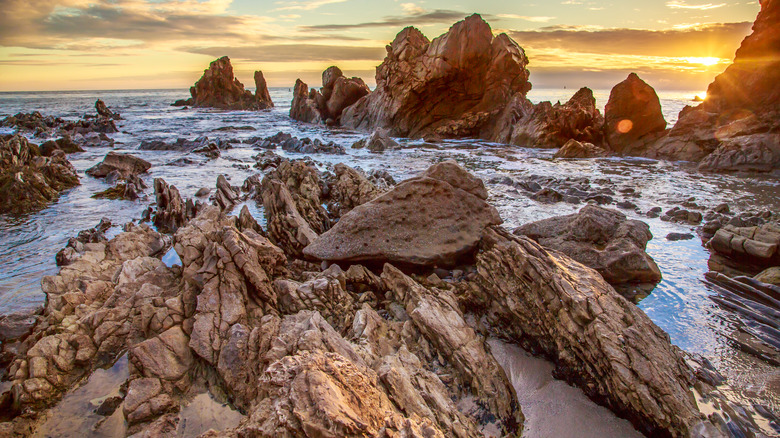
{"x":749,"y":249}
{"x":545,"y":125}
{"x":432,"y":219}
{"x":575,"y":149}
{"x":601,"y":239}
{"x":218,"y":88}
{"x":598,"y":340}
{"x":338,"y":92}
{"x":125,"y":164}
{"x":89,"y":131}
{"x":29,"y":181}
{"x":105,"y":112}
{"x":301,"y":145}
{"x":632,"y":116}
{"x":379,"y":141}
{"x":64,"y":144}
{"x":171,"y":211}
{"x":453,"y":86}
{"x":348,"y":190}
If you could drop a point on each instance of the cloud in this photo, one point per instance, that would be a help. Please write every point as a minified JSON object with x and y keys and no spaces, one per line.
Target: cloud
{"x":681,"y":4}
{"x":712,"y":40}
{"x":411,"y":8}
{"x":294,"y":52}
{"x":304,"y":5}
{"x":415,"y":19}
{"x":526,"y":18}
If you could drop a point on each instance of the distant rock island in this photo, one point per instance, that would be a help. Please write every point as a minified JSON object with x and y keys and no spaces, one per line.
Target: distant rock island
{"x":218,"y":88}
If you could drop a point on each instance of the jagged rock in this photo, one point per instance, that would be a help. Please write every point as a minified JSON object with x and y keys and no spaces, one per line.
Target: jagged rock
{"x":338,"y":92}
{"x":29,"y":181}
{"x":75,"y":246}
{"x":171,"y":212}
{"x":598,"y":340}
{"x":34,"y":123}
{"x":428,"y":220}
{"x":304,"y":145}
{"x":125,"y":164}
{"x":182,"y":144}
{"x":286,"y":227}
{"x":632,"y":116}
{"x":64,"y":144}
{"x":601,"y":239}
{"x":575,"y":149}
{"x":550,"y":126}
{"x":218,"y":88}
{"x":104,"y":112}
{"x":453,"y":86}
{"x":303,"y":182}
{"x":379,"y":141}
{"x":349,"y":190}
{"x":226,"y":197}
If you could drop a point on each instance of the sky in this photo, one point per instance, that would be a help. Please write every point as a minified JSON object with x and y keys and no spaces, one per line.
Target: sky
{"x":148,"y":44}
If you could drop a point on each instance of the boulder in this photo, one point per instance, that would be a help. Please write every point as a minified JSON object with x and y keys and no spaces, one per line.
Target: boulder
{"x":748,"y":249}
{"x":64,"y":144}
{"x":545,"y":125}
{"x":453,"y":86}
{"x":105,"y":112}
{"x":632,"y":116}
{"x":575,"y":149}
{"x":433,"y":219}
{"x":218,"y":88}
{"x":769,"y":276}
{"x":601,"y":239}
{"x":379,"y":141}
{"x":125,"y":164}
{"x":338,"y":92}
{"x":598,"y":340}
{"x":29,"y":181}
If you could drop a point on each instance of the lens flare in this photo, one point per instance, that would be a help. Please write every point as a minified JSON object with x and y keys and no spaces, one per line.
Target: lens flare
{"x":708,"y":61}
{"x":624,"y":126}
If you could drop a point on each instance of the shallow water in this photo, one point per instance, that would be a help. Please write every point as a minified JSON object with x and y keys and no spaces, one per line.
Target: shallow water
{"x":679,"y":304}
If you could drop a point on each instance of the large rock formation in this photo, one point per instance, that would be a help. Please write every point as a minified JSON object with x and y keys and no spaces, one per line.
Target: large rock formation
{"x":218,"y":88}
{"x":737,"y":127}
{"x":29,"y":181}
{"x":632,"y":116}
{"x":550,"y":126}
{"x":747,"y":249}
{"x":453,"y":86}
{"x":338,"y":92}
{"x":433,"y":219}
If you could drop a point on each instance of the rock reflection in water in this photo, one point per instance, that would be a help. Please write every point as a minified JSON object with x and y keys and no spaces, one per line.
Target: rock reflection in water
{"x":204,"y":413}
{"x":553,"y":408}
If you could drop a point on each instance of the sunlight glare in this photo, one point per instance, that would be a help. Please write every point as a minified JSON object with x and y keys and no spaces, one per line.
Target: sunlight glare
{"x":703,"y":60}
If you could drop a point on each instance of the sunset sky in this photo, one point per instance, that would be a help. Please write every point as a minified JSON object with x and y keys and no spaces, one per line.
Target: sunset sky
{"x":131,"y":44}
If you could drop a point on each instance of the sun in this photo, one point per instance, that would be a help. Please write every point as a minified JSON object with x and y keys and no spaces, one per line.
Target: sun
{"x":703,"y":61}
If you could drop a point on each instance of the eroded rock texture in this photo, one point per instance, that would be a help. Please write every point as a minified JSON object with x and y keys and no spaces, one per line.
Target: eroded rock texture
{"x":218,"y":88}
{"x":124,"y":164}
{"x":29,"y":181}
{"x":632,"y":116}
{"x":338,"y":92}
{"x":452,"y":86}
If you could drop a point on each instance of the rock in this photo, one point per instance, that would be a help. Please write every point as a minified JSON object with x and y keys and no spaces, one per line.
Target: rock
{"x":769,"y":276}
{"x":601,"y":239}
{"x":64,"y":144}
{"x":632,"y":116}
{"x":104,"y":112}
{"x":673,"y":237}
{"x":654,"y":212}
{"x":349,"y":190}
{"x":303,"y":182}
{"x":304,"y":145}
{"x":575,"y":149}
{"x":453,"y":86}
{"x":17,"y":325}
{"x":338,"y":93}
{"x":286,"y":227}
{"x":125,"y":164}
{"x":203,"y":191}
{"x":217,"y":88}
{"x":29,"y":181}
{"x":171,"y":211}
{"x":433,"y":219}
{"x":736,"y":127}
{"x":183,"y":102}
{"x":547,"y":196}
{"x":379,"y":141}
{"x":226,"y":197}
{"x":551,"y":126}
{"x":681,"y":215}
{"x":750,"y":249}
{"x":598,"y":340}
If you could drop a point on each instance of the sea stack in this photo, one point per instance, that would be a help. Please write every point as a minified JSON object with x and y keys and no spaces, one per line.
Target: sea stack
{"x":218,"y":88}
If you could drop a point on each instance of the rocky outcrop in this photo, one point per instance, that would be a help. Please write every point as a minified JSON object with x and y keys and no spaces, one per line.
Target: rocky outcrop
{"x":124,"y":164}
{"x":632,"y":116}
{"x":601,"y":239}
{"x":736,"y":128}
{"x":453,"y":86}
{"x":218,"y":88}
{"x":338,"y":92}
{"x":379,"y":141}
{"x":301,"y":145}
{"x":64,"y":144}
{"x":29,"y":181}
{"x":89,"y":131}
{"x":171,"y":211}
{"x":545,"y":125}
{"x":575,"y":149}
{"x":433,"y":219}
{"x":348,"y":189}
{"x":598,"y":340}
{"x":105,"y":112}
{"x":748,"y":249}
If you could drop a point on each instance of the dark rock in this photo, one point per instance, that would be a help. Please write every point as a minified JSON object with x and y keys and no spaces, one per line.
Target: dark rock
{"x":632,"y":116}
{"x":379,"y":141}
{"x":602,"y":239}
{"x":575,"y":149}
{"x":673,"y":237}
{"x":218,"y":88}
{"x":338,"y":93}
{"x":104,"y":112}
{"x":547,"y":196}
{"x":125,"y":164}
{"x":654,"y":212}
{"x":64,"y":144}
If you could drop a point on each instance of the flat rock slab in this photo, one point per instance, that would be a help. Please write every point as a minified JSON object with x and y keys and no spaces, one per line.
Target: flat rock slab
{"x":433,"y":219}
